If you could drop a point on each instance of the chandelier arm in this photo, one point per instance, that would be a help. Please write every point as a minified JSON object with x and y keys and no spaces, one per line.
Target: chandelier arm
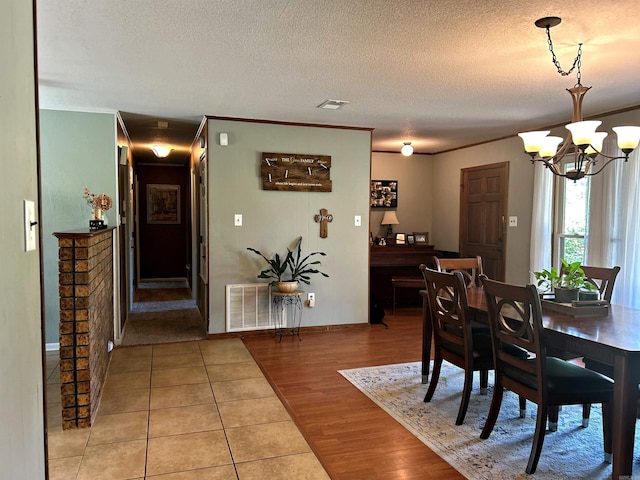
{"x":607,"y":162}
{"x":609,"y":157}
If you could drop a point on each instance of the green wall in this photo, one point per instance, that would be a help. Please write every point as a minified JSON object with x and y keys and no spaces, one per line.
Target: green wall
{"x":21,"y":393}
{"x":78,"y":150}
{"x":273,"y":220}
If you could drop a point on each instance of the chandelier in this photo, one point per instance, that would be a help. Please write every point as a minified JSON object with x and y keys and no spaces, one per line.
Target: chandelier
{"x":583,"y":146}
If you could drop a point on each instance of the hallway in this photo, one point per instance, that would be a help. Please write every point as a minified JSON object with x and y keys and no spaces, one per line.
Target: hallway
{"x":163,"y":312}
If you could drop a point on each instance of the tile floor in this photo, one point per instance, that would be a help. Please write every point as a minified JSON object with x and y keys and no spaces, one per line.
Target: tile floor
{"x":182,"y":411}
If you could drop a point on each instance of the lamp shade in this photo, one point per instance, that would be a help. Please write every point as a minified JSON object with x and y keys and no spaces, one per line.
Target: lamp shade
{"x":406,"y":149}
{"x":533,"y":140}
{"x":628,"y":137}
{"x":582,"y":132}
{"x":161,"y":151}
{"x":549,"y":146}
{"x":389,"y":218}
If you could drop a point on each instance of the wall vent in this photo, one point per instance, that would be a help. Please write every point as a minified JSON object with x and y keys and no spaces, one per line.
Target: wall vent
{"x":248,"y":307}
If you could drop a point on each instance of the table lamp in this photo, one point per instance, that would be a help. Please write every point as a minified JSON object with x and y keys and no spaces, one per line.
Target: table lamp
{"x":389,"y":219}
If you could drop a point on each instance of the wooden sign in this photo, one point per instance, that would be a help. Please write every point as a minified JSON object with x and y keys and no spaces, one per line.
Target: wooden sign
{"x":296,"y":172}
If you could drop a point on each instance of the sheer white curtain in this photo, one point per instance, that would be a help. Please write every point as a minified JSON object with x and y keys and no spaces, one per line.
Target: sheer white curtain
{"x":614,"y":223}
{"x":541,"y":220}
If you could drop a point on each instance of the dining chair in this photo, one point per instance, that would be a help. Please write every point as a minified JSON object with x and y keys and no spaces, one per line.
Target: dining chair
{"x":470,"y":267}
{"x":604,"y":278}
{"x":515,"y":318}
{"x":453,"y":337}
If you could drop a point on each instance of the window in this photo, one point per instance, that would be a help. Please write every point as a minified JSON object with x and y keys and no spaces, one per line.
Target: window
{"x":571,"y":219}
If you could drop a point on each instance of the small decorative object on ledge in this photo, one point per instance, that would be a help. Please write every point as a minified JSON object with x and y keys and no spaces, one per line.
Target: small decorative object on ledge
{"x":296,"y":172}
{"x":100,"y":203}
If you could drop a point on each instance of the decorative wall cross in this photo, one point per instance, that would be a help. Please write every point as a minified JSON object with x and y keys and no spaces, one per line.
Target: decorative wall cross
{"x":323,"y":219}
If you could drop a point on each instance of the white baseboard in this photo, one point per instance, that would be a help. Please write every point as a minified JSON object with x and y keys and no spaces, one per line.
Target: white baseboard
{"x":52,"y":347}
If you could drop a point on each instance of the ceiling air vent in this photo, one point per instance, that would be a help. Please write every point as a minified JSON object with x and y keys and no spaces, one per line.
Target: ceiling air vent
{"x":333,"y":104}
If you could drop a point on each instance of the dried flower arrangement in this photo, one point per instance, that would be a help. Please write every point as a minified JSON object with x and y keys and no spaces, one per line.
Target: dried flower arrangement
{"x":101,"y":201}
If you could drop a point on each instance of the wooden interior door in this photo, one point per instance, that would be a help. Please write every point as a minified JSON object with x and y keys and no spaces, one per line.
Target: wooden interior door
{"x":483,"y":209}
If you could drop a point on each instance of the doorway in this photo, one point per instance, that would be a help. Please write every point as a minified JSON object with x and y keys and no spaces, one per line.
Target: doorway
{"x":163,"y":222}
{"x":483,"y":210}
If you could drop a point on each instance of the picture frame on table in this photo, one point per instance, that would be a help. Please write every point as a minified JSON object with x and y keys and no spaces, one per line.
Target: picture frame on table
{"x":400,"y":238}
{"x":421,"y":238}
{"x":411,"y":239}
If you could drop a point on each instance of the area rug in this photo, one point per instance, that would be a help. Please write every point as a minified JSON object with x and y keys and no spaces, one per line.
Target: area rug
{"x":152,"y":327}
{"x":571,"y":452}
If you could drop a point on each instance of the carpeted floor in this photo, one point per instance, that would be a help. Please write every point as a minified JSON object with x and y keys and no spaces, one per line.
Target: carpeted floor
{"x":570,"y":453}
{"x":163,"y":313}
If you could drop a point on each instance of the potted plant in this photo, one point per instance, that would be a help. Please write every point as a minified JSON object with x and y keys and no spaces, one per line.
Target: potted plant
{"x":299,"y":267}
{"x":565,"y":283}
{"x":277,"y":267}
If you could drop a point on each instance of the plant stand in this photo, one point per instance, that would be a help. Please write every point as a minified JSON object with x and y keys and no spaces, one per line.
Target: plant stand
{"x":286,"y":312}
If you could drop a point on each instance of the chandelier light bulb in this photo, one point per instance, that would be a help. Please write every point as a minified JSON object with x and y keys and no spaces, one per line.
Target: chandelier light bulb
{"x":596,"y":143}
{"x":406,"y":149}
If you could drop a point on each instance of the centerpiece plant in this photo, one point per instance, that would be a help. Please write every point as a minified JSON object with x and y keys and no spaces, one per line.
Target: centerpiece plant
{"x":290,"y":269}
{"x":566,"y":282}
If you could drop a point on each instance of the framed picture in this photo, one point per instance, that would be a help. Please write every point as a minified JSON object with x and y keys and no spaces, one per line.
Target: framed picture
{"x":411,"y":239}
{"x":400,"y":238}
{"x":383,"y":194}
{"x":421,"y":238}
{"x":163,"y":204}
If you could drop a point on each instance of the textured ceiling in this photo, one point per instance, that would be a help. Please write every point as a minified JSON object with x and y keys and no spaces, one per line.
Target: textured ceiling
{"x":439,"y":73}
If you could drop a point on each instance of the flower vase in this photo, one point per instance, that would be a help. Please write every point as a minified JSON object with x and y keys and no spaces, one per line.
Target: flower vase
{"x":97,"y":214}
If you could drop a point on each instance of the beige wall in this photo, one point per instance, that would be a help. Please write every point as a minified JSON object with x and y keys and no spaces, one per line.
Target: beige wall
{"x":273,"y":220}
{"x":21,"y":393}
{"x":446,"y":204}
{"x":415,"y":193}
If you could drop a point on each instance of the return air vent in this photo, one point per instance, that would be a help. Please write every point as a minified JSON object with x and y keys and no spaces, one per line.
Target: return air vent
{"x":248,"y":307}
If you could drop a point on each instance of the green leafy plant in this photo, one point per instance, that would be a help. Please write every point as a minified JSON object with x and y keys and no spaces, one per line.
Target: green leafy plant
{"x":300,"y":268}
{"x":277,"y":266}
{"x":570,"y":276}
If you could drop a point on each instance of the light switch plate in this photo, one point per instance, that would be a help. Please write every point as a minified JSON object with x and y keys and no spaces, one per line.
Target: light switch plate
{"x":237,"y":220}
{"x":513,"y":221}
{"x":30,"y":228}
{"x":357,"y":221}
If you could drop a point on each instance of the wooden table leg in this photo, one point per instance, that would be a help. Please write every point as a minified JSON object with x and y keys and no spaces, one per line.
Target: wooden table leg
{"x":625,"y":402}
{"x":427,"y":332}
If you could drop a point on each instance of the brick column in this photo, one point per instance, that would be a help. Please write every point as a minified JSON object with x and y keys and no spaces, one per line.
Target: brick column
{"x":86,"y":321}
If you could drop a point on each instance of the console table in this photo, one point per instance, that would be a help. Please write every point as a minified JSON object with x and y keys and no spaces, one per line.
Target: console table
{"x":397,"y":261}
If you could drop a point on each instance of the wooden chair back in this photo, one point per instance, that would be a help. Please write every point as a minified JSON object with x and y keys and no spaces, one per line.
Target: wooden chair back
{"x":602,"y":277}
{"x":449,"y":311}
{"x":471,"y":268}
{"x":515,"y":317}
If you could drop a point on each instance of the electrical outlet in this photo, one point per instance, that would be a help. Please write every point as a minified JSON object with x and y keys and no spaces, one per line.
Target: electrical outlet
{"x":311,"y":297}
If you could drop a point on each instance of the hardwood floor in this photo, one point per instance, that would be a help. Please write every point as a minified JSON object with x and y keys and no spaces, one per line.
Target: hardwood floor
{"x":352,"y":437}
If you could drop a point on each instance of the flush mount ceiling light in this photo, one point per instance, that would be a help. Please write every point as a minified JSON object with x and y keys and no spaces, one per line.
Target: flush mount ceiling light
{"x":161,"y":151}
{"x":406,"y":149}
{"x":333,"y":104}
{"x":583,"y":146}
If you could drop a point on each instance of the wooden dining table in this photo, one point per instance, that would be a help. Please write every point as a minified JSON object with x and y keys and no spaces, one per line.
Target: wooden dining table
{"x":613,"y":339}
